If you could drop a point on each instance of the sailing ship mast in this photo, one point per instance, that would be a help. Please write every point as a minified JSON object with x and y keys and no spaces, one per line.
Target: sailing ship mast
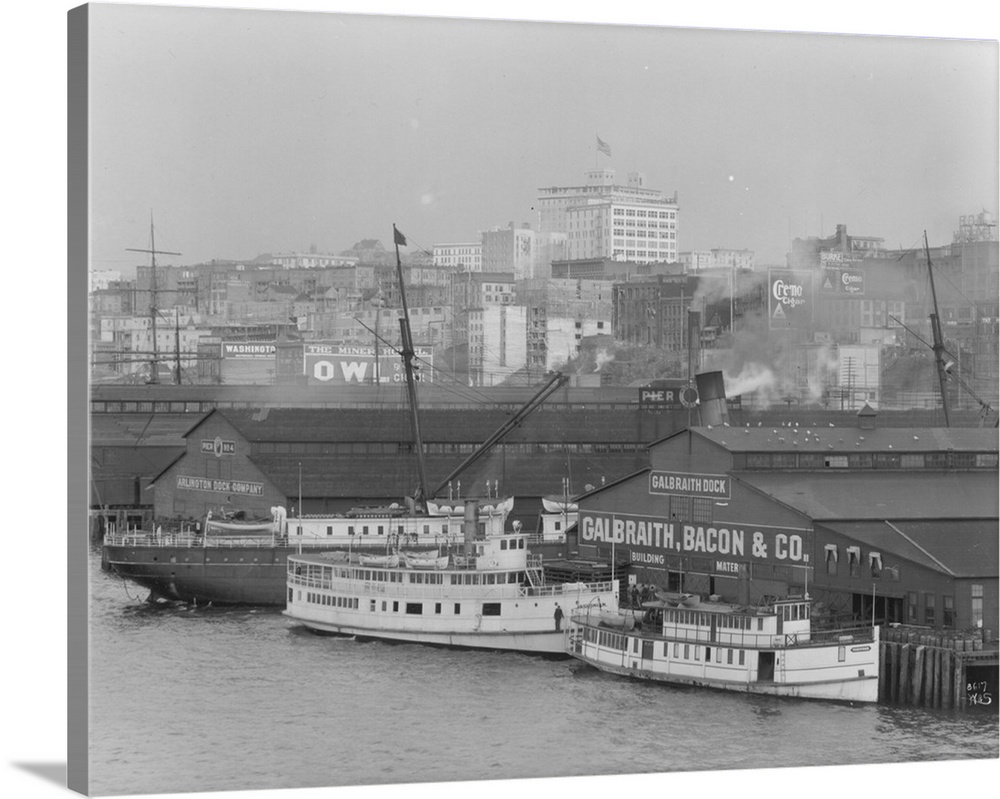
{"x":406,"y":350}
{"x":938,"y":339}
{"x":153,"y":310}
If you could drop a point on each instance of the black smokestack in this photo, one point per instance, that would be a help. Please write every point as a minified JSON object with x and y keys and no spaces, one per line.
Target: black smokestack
{"x":712,"y":398}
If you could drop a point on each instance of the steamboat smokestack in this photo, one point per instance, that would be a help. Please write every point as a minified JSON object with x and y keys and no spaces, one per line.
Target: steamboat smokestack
{"x":471,"y":525}
{"x":712,"y":398}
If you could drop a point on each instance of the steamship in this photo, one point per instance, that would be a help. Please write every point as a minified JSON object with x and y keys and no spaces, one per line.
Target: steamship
{"x":488,"y":594}
{"x":769,"y":649}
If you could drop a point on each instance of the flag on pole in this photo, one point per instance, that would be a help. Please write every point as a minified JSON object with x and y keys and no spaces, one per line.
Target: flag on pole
{"x":398,"y":237}
{"x":604,"y":147}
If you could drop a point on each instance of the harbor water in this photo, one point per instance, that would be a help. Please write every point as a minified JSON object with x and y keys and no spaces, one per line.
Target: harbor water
{"x":202,"y":699}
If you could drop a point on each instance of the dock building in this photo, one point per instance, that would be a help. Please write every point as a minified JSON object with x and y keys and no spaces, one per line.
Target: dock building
{"x":895,"y":524}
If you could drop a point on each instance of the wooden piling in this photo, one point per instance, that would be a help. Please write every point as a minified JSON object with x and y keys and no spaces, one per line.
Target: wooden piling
{"x":947,"y":689}
{"x":935,"y":698}
{"x":918,"y":675}
{"x":904,"y":671}
{"x":929,"y":677}
{"x":891,"y":666}
{"x":959,"y":683}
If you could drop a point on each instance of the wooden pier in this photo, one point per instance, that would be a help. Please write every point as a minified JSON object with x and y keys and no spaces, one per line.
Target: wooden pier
{"x":935,"y":670}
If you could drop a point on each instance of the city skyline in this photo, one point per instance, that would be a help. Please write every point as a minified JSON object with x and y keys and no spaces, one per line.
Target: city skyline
{"x":245,"y":132}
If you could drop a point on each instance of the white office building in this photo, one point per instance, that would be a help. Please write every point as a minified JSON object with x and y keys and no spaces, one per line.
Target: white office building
{"x":602,"y":219}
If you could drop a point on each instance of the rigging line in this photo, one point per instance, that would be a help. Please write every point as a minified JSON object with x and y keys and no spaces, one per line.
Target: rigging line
{"x":952,"y":375}
{"x":470,"y":392}
{"x":410,"y":242}
{"x":917,"y":337}
{"x":952,"y":284}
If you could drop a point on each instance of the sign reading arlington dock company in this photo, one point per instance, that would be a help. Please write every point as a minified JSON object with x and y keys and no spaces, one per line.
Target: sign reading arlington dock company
{"x":242,"y":487}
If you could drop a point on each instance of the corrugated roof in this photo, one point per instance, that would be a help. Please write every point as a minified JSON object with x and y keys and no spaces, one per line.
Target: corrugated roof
{"x":851,"y":439}
{"x":956,"y":548}
{"x":438,"y":425}
{"x":879,"y":494}
{"x":160,"y":429}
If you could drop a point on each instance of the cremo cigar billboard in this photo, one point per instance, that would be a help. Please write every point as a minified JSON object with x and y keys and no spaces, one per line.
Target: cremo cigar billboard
{"x":790,"y":299}
{"x":337,"y":364}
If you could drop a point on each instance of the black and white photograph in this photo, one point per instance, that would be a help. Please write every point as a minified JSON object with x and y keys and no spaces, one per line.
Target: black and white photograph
{"x":485,"y":401}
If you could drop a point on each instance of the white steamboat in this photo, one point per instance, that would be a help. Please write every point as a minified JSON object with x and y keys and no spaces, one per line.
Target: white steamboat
{"x":487,"y":594}
{"x":771,"y":649}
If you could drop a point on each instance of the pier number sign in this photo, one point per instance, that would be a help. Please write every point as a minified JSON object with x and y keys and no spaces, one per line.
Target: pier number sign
{"x":218,"y":447}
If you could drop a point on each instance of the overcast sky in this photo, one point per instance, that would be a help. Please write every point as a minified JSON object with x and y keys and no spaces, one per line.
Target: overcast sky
{"x":246,"y":132}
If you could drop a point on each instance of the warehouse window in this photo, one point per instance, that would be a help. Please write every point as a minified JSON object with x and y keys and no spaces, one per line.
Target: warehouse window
{"x":831,"y":558}
{"x":854,"y":561}
{"x":835,"y":461}
{"x":680,"y":508}
{"x":977,"y":604}
{"x":703,"y":510}
{"x":875,"y":563}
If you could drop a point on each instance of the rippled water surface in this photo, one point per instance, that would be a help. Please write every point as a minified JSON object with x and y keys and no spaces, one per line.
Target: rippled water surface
{"x":212,"y":699}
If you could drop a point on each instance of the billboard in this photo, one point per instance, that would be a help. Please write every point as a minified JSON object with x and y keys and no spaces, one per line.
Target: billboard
{"x":340,"y":365}
{"x":790,"y":300}
{"x":842,"y":281}
{"x":244,"y":350}
{"x":650,"y":539}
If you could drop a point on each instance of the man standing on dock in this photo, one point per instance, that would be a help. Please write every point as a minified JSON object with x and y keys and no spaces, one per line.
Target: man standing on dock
{"x":558,"y":616}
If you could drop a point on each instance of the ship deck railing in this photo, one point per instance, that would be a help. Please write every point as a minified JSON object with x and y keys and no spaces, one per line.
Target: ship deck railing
{"x":738,"y":639}
{"x":196,"y":540}
{"x":445,"y":589}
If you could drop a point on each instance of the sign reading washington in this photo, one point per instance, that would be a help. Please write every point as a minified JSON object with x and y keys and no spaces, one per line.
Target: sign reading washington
{"x":714,"y":486}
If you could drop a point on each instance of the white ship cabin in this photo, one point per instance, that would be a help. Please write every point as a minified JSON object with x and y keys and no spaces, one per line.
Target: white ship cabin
{"x":495,"y":563}
{"x":786,"y":622}
{"x":443,"y":523}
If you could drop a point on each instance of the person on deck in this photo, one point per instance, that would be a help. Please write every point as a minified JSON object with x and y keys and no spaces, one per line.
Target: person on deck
{"x":558,"y":617}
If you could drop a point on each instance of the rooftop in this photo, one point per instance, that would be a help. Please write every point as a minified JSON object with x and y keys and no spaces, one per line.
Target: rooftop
{"x":802,"y":438}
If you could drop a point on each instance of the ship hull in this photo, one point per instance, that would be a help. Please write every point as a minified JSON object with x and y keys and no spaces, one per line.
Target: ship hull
{"x":234,"y":576}
{"x":537,"y":642}
{"x":841,"y":672}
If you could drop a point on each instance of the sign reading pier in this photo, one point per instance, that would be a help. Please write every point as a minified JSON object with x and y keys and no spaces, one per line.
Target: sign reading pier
{"x":714,"y":486}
